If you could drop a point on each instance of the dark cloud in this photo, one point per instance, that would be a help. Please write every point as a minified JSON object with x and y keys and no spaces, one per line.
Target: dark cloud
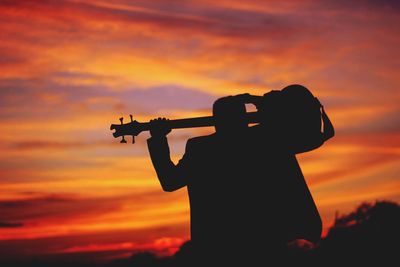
{"x":197,"y":17}
{"x":49,"y":247}
{"x":74,"y":75}
{"x":32,"y":96}
{"x":373,"y":5}
{"x":7,"y":59}
{"x":43,"y":198}
{"x":39,"y":207}
{"x":43,"y":144}
{"x":32,"y":167}
{"x":66,"y":207}
{"x":10,"y":225}
{"x":387,"y":123}
{"x":169,"y":97}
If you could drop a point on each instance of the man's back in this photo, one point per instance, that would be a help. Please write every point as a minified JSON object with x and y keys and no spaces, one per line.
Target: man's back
{"x":232,"y":190}
{"x":246,"y":195}
{"x":288,"y":201}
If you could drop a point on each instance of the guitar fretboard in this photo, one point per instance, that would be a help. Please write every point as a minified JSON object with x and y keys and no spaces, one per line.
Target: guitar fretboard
{"x":252,"y":117}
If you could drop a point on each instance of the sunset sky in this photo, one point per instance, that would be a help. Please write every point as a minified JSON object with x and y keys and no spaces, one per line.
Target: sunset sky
{"x":68,"y":69}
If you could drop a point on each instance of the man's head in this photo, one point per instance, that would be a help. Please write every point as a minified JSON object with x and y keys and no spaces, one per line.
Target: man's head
{"x":229,"y":114}
{"x":291,"y":111}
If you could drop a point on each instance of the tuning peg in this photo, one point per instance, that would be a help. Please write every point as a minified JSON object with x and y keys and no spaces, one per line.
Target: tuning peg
{"x":123,"y":139}
{"x":130,"y":115}
{"x":121,"y":119}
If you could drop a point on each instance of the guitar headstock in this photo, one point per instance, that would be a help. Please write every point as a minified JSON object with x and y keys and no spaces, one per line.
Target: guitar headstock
{"x":132,"y":128}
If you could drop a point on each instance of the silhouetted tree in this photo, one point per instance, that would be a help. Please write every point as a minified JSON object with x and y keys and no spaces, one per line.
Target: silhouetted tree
{"x":368,"y":235}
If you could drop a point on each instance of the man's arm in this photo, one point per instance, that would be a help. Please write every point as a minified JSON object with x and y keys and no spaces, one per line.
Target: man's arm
{"x":171,"y":176}
{"x":319,"y":138}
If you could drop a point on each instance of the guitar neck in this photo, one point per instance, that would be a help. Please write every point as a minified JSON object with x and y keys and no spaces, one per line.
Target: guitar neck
{"x":252,"y":117}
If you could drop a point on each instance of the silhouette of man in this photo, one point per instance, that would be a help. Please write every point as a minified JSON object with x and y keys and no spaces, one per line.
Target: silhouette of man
{"x":247,"y":194}
{"x":290,"y":123}
{"x":213,"y":170}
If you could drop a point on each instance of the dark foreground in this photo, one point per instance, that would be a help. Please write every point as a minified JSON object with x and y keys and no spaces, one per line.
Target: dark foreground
{"x":369,"y":236}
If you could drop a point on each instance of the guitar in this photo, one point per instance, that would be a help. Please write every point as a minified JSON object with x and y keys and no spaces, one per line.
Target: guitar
{"x":134,"y":127}
{"x":300,"y":109}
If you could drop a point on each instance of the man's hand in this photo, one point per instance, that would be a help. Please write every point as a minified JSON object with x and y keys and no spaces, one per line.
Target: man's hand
{"x":249,"y":99}
{"x":243,"y":97}
{"x":320,"y":106}
{"x":318,"y":103}
{"x":159,"y":127}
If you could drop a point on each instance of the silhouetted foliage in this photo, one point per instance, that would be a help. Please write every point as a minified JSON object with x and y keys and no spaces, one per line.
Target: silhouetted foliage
{"x":368,"y":235}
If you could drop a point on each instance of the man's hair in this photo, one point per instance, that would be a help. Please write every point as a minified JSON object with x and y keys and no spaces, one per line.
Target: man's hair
{"x":228,"y":105}
{"x":229,"y":114}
